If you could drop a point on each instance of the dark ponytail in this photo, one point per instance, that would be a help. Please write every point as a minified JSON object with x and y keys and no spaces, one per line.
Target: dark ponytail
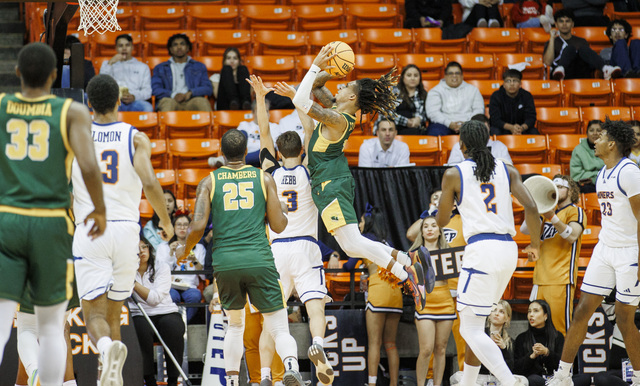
{"x":475,"y":136}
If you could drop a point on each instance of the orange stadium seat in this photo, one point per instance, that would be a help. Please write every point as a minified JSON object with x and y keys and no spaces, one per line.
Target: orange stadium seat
{"x":429,"y":40}
{"x":159,"y":155}
{"x":474,"y":66}
{"x":560,"y":148}
{"x":192,"y":152}
{"x":166,"y":178}
{"x":535,"y":69}
{"x":372,"y":65}
{"x":303,"y":64}
{"x":596,"y":36}
{"x":589,"y":240}
{"x":534,"y":39}
{"x":423,"y":150}
{"x":626,"y":91}
{"x":279,"y":43}
{"x":97,"y":62}
{"x":361,"y":16}
{"x":364,"y":124}
{"x":558,"y":120}
{"x":216,"y":41}
{"x":583,"y":262}
{"x":225,"y":120}
{"x":547,"y":170}
{"x":251,"y":2}
{"x":212,"y":63}
{"x":212,"y":16}
{"x":155,"y":41}
{"x":587,"y":92}
{"x":186,"y":124}
{"x":592,"y":208}
{"x":456,"y":12}
{"x":153,"y":61}
{"x":430,"y":83}
{"x":386,"y":41}
{"x":602,"y":112}
{"x":146,"y":211}
{"x":352,"y":148}
{"x":267,"y":17}
{"x":505,"y":12}
{"x":494,"y":40}
{"x":339,"y":284}
{"x":105,"y":44}
{"x":526,"y":148}
{"x":486,"y":87}
{"x":522,"y":281}
{"x":273,"y":67}
{"x":308,"y":2}
{"x":147,"y":122}
{"x":431,"y":65}
{"x":188,"y":180}
{"x":160,"y":17}
{"x":276,"y":115}
{"x":446,"y":144}
{"x":632,"y":17}
{"x":318,"y":39}
{"x":546,"y":93}
{"x":317,"y":17}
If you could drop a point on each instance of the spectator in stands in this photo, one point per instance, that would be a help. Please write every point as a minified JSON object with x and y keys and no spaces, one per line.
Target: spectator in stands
{"x":384,"y":151}
{"x":184,"y":288}
{"x":132,"y":76}
{"x":151,"y":231}
{"x":289,"y":122}
{"x":251,"y":130}
{"x":89,"y":71}
{"x":635,"y":149}
{"x":511,"y":108}
{"x":481,"y":13}
{"x":230,"y":88}
{"x":411,"y":116}
{"x":498,"y":149}
{"x":584,"y":163}
{"x":532,"y":13}
{"x":588,"y":13}
{"x":537,"y":351}
{"x":427,"y":13}
{"x":623,"y":53}
{"x":151,"y":291}
{"x":569,"y":56}
{"x":181,"y":83}
{"x":452,"y":102}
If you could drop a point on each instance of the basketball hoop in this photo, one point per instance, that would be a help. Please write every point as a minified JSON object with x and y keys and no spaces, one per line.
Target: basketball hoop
{"x":98,"y":16}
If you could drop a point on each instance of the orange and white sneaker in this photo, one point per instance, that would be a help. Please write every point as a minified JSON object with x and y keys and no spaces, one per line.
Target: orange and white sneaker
{"x":422,"y":256}
{"x":415,"y":284}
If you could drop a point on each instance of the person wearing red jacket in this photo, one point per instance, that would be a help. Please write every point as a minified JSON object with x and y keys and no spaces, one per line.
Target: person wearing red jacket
{"x":532,"y":13}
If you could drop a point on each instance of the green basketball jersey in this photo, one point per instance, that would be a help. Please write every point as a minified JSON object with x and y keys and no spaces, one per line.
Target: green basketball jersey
{"x":238,"y":208}
{"x":326,"y":158}
{"x":36,"y":165}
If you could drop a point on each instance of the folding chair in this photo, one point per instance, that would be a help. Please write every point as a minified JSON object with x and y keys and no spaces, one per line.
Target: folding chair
{"x":272,"y":67}
{"x":147,"y":122}
{"x":280,"y":43}
{"x":160,"y":17}
{"x":317,"y":17}
{"x":192,"y":152}
{"x":213,"y":42}
{"x":155,"y":41}
{"x":386,"y":41}
{"x":429,"y":40}
{"x":431,"y":65}
{"x":423,"y":150}
{"x":626,"y":91}
{"x":318,"y":39}
{"x":558,"y":120}
{"x":494,"y":40}
{"x":266,"y":17}
{"x":587,"y":92}
{"x":546,"y":93}
{"x":373,"y":16}
{"x":535,"y":69}
{"x":475,"y":66}
{"x":534,"y":40}
{"x":525,"y":148}
{"x":186,"y":124}
{"x":212,"y":16}
{"x":547,"y":170}
{"x":602,"y":112}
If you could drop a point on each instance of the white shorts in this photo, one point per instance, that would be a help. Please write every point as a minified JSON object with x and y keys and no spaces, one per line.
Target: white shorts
{"x":613,"y":267}
{"x":109,"y":263}
{"x":299,"y":264}
{"x":487,"y":267}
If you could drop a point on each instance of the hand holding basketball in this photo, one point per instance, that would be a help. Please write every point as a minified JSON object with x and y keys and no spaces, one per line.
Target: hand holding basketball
{"x":342,"y":60}
{"x":322,"y":59}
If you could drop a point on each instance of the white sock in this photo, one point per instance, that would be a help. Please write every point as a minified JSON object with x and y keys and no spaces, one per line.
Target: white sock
{"x":265,"y":372}
{"x":277,"y":324}
{"x":103,"y":344}
{"x":469,"y":375}
{"x":52,"y":355}
{"x":398,"y":270}
{"x":373,"y":379}
{"x":70,"y":383}
{"x":290,"y":363}
{"x":27,"y":341}
{"x":318,"y":340}
{"x":636,"y":374}
{"x":564,"y":368}
{"x":232,"y":380}
{"x":403,"y":258}
{"x":233,"y":341}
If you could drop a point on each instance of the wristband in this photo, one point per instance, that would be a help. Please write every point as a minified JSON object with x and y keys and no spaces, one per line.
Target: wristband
{"x":555,"y":220}
{"x":566,"y":233}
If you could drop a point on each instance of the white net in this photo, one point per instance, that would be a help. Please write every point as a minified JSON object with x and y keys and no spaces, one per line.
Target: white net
{"x":98,"y":16}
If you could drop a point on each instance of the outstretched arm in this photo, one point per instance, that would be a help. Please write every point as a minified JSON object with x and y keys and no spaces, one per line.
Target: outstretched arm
{"x":266,"y":141}
{"x":284,"y":89}
{"x":275,"y":210}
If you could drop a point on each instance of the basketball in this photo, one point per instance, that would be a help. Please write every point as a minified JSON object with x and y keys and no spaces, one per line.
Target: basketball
{"x":344,"y":61}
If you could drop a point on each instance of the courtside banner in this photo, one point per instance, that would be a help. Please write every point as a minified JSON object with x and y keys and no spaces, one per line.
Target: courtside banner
{"x":447,"y":262}
{"x":593,"y":355}
{"x":213,"y":373}
{"x":345,"y":342}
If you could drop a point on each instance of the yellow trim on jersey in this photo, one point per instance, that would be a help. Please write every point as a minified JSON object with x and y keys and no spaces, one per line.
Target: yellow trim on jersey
{"x":69,"y":279}
{"x":284,"y":301}
{"x":37,"y":99}
{"x":264,"y":187}
{"x":333,"y":217}
{"x":2,"y":96}
{"x":323,"y":184}
{"x":64,"y":114}
{"x":213,"y":187}
{"x":40,"y":212}
{"x":322,"y":143}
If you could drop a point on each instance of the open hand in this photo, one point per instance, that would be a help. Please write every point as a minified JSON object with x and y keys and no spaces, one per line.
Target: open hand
{"x":323,"y":57}
{"x":256,"y":83}
{"x":284,"y":89}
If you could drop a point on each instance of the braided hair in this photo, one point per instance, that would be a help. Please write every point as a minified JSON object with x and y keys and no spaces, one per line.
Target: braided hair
{"x":377,"y":95}
{"x":475,"y":136}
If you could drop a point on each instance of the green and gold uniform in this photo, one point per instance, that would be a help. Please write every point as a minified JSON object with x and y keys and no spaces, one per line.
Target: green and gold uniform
{"x":242,"y":258}
{"x":332,"y":183}
{"x":35,"y":228}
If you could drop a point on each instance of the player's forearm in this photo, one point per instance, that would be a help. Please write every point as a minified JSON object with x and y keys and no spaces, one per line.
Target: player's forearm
{"x":321,"y":92}
{"x":301,"y":100}
{"x":532,"y":218}
{"x":153,"y":192}
{"x":194,"y":236}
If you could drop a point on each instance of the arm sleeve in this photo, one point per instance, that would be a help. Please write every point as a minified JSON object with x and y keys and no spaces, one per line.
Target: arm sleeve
{"x":161,"y":285}
{"x":301,"y":100}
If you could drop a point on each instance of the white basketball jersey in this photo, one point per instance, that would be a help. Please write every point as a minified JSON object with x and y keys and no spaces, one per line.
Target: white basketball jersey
{"x":294,"y":189}
{"x":485,"y":207}
{"x":614,"y":187}
{"x":121,"y":184}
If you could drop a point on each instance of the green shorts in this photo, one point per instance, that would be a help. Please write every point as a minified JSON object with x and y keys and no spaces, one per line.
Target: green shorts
{"x":334,"y":200}
{"x":27,"y":307}
{"x":261,"y":284}
{"x":35,"y":255}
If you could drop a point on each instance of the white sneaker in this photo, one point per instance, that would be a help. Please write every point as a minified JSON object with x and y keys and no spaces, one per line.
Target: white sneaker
{"x":559,"y":379}
{"x":548,"y":12}
{"x":112,"y":363}
{"x":558,"y":73}
{"x":493,"y":23}
{"x":324,"y":371}
{"x":635,"y":381}
{"x":545,"y":22}
{"x":34,"y":379}
{"x":482,"y":23}
{"x":611,"y":72}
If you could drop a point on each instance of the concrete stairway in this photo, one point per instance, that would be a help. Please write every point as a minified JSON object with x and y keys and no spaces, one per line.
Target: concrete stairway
{"x":12,"y":31}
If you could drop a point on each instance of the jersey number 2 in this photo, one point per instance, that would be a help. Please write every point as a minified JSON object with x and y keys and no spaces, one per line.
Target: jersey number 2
{"x":232,"y":191}
{"x":490,"y":192}
{"x":20,"y":148}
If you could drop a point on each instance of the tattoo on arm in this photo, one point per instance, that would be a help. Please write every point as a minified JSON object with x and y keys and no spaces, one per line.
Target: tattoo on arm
{"x":202,"y":199}
{"x":324,"y":96}
{"x":327,"y":116}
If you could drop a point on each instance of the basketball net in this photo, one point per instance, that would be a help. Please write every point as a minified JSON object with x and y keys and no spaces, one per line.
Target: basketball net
{"x":98,"y":16}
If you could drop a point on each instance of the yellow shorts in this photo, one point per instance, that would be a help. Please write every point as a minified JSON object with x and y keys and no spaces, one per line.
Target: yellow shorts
{"x":439,"y":305}
{"x":383,"y":297}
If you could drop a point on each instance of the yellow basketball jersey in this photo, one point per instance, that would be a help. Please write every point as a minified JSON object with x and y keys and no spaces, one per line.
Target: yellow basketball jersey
{"x":558,"y":263}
